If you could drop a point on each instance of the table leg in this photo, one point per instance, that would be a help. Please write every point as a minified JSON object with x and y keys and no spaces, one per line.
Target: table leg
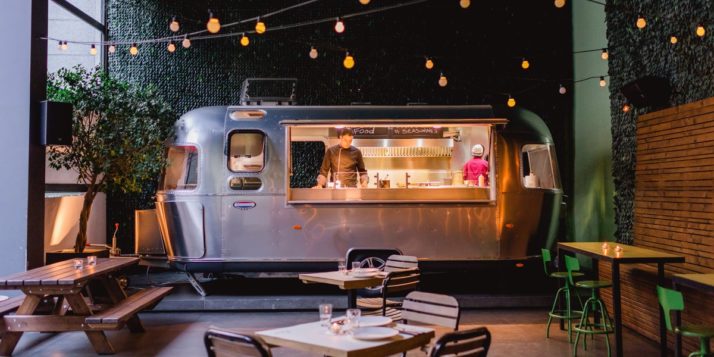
{"x":662,"y":328}
{"x":97,"y":338}
{"x":677,"y":322}
{"x":10,"y":339}
{"x":616,"y":304}
{"x":351,"y":299}
{"x":116,"y":294}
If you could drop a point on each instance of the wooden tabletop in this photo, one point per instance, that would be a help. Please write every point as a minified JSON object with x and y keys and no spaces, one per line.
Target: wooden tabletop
{"x":343,"y":281}
{"x":628,"y":254}
{"x":704,"y":282}
{"x":63,"y":273}
{"x":314,"y":338}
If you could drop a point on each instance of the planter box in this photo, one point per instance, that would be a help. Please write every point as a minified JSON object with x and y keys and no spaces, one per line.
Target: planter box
{"x":60,"y":255}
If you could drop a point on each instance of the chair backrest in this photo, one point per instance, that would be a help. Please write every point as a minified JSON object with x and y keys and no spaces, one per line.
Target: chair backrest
{"x":669,"y":300}
{"x":222,"y":343}
{"x":473,"y":342}
{"x":432,"y":309}
{"x":400,"y":282}
{"x":545,"y":253}
{"x":571,"y":264}
{"x":370,"y":257}
{"x":397,"y":262}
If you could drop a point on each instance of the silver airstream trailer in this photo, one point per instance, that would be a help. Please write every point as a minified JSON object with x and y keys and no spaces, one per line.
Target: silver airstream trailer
{"x":238,"y":196}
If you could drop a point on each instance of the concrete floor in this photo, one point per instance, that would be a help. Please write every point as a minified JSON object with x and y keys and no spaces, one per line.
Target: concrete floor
{"x":515,"y":332}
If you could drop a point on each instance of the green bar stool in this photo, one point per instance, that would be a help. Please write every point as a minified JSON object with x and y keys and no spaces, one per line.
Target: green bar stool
{"x":672,"y":300}
{"x":592,"y":305}
{"x":559,"y":313}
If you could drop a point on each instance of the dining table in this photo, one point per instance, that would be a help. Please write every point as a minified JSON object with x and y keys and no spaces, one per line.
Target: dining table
{"x":346,"y":281}
{"x":701,"y":282}
{"x":626,"y":254}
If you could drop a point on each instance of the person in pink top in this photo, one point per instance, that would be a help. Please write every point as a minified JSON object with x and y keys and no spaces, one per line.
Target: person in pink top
{"x":477,"y":166}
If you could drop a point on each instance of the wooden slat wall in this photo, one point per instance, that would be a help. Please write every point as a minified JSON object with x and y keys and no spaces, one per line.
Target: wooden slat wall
{"x":674,"y":212}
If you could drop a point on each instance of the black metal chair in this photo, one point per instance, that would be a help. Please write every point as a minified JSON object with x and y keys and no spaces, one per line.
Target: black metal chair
{"x":474,"y":342}
{"x":223,"y":343}
{"x":397,"y":283}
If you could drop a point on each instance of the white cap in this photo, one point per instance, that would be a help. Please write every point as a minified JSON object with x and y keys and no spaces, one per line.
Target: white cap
{"x":477,"y":150}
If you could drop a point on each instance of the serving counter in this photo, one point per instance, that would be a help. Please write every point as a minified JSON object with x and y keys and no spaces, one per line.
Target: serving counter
{"x":390,"y":195}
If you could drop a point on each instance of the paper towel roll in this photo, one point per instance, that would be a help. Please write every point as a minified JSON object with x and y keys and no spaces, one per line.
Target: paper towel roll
{"x":531,"y":181}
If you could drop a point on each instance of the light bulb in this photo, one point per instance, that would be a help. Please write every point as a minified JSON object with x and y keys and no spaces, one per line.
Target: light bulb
{"x":339,"y":26}
{"x":213,"y":25}
{"x":259,"y":27}
{"x":429,"y":64}
{"x":364,"y":2}
{"x":701,"y":31}
{"x":525,"y":64}
{"x":186,"y":43}
{"x":349,"y":61}
{"x":559,"y":3}
{"x":673,"y":39}
{"x":313,"y":53}
{"x":641,"y":22}
{"x":171,"y":47}
{"x":465,"y":3}
{"x":602,"y":82}
{"x":442,"y":80}
{"x":64,"y":46}
{"x":604,"y":55}
{"x":93,"y":50}
{"x":562,"y":89}
{"x":511,"y":102}
{"x":174,"y":25}
{"x":626,"y":108}
{"x":244,"y":40}
{"x":112,"y":48}
{"x":134,"y":50}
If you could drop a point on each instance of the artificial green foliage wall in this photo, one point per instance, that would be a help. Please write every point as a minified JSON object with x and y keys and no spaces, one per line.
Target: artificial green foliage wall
{"x":634,"y":53}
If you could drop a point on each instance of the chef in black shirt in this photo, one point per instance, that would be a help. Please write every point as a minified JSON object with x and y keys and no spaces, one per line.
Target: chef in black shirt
{"x":343,"y":162}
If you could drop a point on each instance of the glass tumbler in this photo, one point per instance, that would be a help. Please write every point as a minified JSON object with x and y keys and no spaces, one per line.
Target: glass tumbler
{"x":78,"y":264}
{"x":325,"y":315}
{"x":353,"y":316}
{"x":92,"y":260}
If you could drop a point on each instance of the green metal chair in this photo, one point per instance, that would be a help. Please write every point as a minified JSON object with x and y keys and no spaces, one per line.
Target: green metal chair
{"x":672,"y":300}
{"x":563,"y":293}
{"x":592,"y":305}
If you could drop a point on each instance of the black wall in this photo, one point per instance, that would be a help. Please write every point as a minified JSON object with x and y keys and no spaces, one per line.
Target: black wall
{"x":687,"y":65}
{"x":479,"y":49}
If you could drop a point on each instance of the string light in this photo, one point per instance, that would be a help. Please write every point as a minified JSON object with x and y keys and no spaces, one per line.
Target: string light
{"x":133,"y":49}
{"x":559,"y":3}
{"x":673,"y":39}
{"x":171,"y":47}
{"x":626,"y":107}
{"x":701,"y":31}
{"x":64,"y":46}
{"x":59,"y":45}
{"x":364,"y":2}
{"x":339,"y":26}
{"x":174,"y":25}
{"x":349,"y":61}
{"x":465,"y":4}
{"x":641,"y":23}
{"x":429,"y":64}
{"x":244,"y":40}
{"x":93,"y":50}
{"x":313,"y":53}
{"x":562,"y":89}
{"x":442,"y":80}
{"x":112,"y":48}
{"x":602,"y":81}
{"x":525,"y":64}
{"x":186,"y":43}
{"x":511,"y":102}
{"x":213,"y":25}
{"x":604,"y":55}
{"x":260,"y":27}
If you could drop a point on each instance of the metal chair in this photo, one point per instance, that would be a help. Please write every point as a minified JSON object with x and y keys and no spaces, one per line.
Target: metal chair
{"x":672,"y":300}
{"x":431,"y":309}
{"x":473,"y":342}
{"x":397,"y":283}
{"x":564,"y":293}
{"x":223,"y":343}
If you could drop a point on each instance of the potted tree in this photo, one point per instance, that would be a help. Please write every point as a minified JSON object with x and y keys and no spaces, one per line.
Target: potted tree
{"x":118,"y":133}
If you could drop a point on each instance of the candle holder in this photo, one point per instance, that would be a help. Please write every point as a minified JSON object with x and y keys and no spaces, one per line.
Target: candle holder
{"x":605,"y":246}
{"x":618,"y":249}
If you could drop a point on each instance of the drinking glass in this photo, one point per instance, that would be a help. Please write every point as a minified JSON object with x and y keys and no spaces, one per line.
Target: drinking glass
{"x":356,"y":266}
{"x":325,"y":315}
{"x":341,"y":267}
{"x":353,"y":316}
{"x":78,"y":264}
{"x":92,"y":260}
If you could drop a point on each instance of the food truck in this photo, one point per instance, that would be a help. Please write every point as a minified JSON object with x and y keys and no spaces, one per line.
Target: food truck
{"x":238,"y":194}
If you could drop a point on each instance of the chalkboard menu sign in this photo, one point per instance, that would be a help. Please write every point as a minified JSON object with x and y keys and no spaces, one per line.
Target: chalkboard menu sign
{"x":397,"y":132}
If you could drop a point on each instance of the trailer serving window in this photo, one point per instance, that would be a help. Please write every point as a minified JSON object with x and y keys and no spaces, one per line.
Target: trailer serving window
{"x":540,"y":168}
{"x":181,"y":171}
{"x":403,"y":162}
{"x":246,"y":151}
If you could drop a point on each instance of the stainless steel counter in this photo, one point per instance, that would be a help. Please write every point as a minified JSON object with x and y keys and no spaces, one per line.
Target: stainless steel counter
{"x":389,"y":195}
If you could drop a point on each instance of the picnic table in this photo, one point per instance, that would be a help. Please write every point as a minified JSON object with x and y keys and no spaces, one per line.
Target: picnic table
{"x":63,"y":284}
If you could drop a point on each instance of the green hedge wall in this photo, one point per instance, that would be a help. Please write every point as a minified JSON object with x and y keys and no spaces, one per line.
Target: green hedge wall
{"x":634,"y":53}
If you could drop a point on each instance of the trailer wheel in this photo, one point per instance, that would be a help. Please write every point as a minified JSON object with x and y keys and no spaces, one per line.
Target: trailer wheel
{"x":372,"y":262}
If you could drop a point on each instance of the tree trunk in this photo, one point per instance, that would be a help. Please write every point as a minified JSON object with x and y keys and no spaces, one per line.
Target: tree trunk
{"x":81,"y":240}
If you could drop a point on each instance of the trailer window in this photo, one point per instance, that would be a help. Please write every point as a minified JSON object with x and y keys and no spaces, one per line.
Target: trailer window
{"x":540,"y":169}
{"x":246,"y":151}
{"x":182,"y":169}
